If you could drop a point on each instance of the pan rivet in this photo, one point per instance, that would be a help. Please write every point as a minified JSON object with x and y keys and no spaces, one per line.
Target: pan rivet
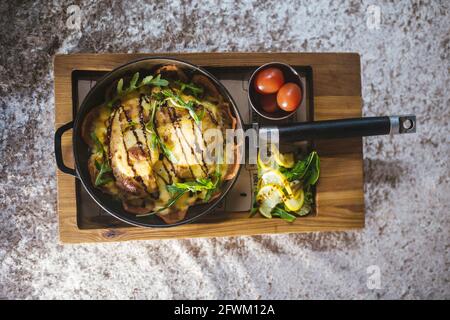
{"x":407,"y":124}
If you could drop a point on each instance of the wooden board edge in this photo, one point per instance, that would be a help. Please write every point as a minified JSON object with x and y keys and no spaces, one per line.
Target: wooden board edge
{"x":76,"y":236}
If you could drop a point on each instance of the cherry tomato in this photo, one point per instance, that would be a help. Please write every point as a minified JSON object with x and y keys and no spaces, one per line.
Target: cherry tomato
{"x":289,"y":97}
{"x":268,"y":102}
{"x":269,"y":80}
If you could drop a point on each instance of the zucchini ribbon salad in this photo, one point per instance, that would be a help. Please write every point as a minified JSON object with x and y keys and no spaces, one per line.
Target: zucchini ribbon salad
{"x":284,"y":186}
{"x":150,"y":146}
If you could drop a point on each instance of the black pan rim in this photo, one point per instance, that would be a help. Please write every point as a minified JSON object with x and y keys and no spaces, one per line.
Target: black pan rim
{"x":76,"y":135}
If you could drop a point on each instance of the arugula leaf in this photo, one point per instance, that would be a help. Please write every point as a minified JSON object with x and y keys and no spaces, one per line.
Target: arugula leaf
{"x":179,"y":189}
{"x":120,"y":87}
{"x":154,"y":106}
{"x":133,"y":81}
{"x":156,"y":141}
{"x":218,"y":179}
{"x":165,"y":150}
{"x":98,"y":144}
{"x":159,"y":96}
{"x":194,"y":186}
{"x":158,"y":82}
{"x":135,"y":84}
{"x":307,"y":169}
{"x":194,"y":89}
{"x":149,"y":126}
{"x":147,"y":80}
{"x":170,"y":203}
{"x":178,"y":102}
{"x":299,"y":170}
{"x":102,"y":177}
{"x":153,"y":135}
{"x":253,"y":212}
{"x":201,"y":115}
{"x":279,"y":211}
{"x":254,"y":209}
{"x":312,"y":174}
{"x":131,"y":124}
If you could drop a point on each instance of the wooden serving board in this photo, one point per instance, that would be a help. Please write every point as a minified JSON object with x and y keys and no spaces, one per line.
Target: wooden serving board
{"x":339,"y":193}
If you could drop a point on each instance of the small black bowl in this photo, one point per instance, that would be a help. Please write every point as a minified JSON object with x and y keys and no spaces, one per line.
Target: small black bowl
{"x":290,"y":75}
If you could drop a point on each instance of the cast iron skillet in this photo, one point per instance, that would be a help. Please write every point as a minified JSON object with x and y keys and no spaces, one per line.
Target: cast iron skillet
{"x":292,"y":132}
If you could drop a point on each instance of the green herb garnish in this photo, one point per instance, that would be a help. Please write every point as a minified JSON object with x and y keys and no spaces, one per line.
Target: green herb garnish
{"x":201,"y":114}
{"x":253,"y":211}
{"x":135,"y":84}
{"x":200,"y":184}
{"x":279,"y":211}
{"x":217,"y":181}
{"x":307,"y":169}
{"x":180,"y":188}
{"x":155,"y":81}
{"x":103,"y":177}
{"x":194,"y":89}
{"x":178,"y":102}
{"x":165,"y":150}
{"x":312,"y":174}
{"x":156,"y":141}
{"x":131,"y":124}
{"x":120,"y":87}
{"x":99,"y":148}
{"x":104,"y":169}
{"x":154,"y":138}
{"x":170,"y":203}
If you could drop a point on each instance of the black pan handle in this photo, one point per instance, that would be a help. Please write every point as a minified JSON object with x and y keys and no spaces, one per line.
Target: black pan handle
{"x":58,"y":149}
{"x":345,"y":128}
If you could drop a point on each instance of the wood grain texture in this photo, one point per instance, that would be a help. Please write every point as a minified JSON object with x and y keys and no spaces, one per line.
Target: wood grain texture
{"x":340,"y":197}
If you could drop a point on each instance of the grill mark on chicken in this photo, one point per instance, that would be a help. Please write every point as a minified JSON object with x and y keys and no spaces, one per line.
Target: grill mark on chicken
{"x":174,"y":122}
{"x":199,"y":132}
{"x":222,"y":128}
{"x":219,"y":127}
{"x":163,"y":179}
{"x":141,"y":121}
{"x":137,"y":177}
{"x":211,"y":116}
{"x":178,"y":129}
{"x":130,"y":122}
{"x":144,"y":132}
{"x":139,"y":143}
{"x":172,"y":170}
{"x":169,"y":173}
{"x":198,"y":147}
{"x":108,"y":134}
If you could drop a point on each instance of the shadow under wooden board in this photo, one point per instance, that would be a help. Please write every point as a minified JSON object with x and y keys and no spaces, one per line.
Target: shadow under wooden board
{"x":339,"y":194}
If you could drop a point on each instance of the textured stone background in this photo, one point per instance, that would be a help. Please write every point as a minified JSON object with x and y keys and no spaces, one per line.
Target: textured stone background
{"x":405,"y":69}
